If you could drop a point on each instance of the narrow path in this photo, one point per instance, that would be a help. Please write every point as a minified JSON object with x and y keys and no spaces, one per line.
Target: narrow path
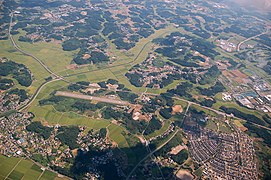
{"x":28,"y":54}
{"x":57,"y":77}
{"x":41,"y":175}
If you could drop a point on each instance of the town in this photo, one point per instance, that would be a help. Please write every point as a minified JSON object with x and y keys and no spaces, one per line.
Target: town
{"x":223,"y":155}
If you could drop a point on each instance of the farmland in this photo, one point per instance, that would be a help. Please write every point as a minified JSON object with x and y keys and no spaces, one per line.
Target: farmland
{"x":116,"y":86}
{"x":19,"y":168}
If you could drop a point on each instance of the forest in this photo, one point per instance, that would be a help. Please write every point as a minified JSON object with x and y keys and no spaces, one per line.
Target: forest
{"x":16,"y":71}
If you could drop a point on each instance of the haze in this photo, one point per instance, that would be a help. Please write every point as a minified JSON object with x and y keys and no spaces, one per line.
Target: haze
{"x":262,"y":5}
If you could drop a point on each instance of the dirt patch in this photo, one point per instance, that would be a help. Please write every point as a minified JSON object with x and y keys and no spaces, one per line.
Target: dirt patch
{"x":116,"y":122}
{"x":177,"y":149}
{"x":142,"y":140}
{"x":184,"y":175}
{"x":238,"y":73}
{"x":221,"y":65}
{"x":86,"y":56}
{"x":177,"y":109}
{"x":45,"y":123}
{"x":114,"y":144}
{"x":235,"y":75}
{"x":185,"y":141}
{"x":243,"y":128}
{"x":72,"y":66}
{"x":74,"y":152}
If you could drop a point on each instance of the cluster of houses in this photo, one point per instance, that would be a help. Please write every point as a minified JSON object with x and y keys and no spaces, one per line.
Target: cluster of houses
{"x":223,"y":155}
{"x":251,"y":92}
{"x":152,"y":74}
{"x":16,"y":141}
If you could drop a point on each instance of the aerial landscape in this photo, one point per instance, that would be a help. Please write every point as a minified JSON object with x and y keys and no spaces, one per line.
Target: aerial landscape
{"x":135,"y":89}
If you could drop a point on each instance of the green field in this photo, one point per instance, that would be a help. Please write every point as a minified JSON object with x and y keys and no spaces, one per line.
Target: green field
{"x":50,"y":53}
{"x":9,"y":52}
{"x":19,"y":168}
{"x":56,"y":59}
{"x":160,"y":131}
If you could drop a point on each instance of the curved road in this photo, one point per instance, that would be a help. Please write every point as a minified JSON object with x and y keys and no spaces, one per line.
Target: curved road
{"x":23,"y":107}
{"x":28,"y":54}
{"x":58,"y":77}
{"x":248,"y":39}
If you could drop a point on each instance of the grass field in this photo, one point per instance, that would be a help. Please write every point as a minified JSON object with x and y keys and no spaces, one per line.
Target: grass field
{"x":207,"y":111}
{"x":49,"y":53}
{"x":56,"y":59}
{"x":115,"y":135}
{"x":9,"y":52}
{"x":211,"y":125}
{"x":19,"y":168}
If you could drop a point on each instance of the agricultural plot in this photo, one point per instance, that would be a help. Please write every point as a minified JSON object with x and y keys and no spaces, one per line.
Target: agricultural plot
{"x":50,"y":54}
{"x":19,"y":168}
{"x":116,"y":136}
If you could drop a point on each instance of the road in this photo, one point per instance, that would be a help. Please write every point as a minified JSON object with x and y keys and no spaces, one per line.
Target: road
{"x":87,"y":97}
{"x":67,"y":94}
{"x":28,"y":54}
{"x":63,"y":77}
{"x":55,"y":76}
{"x":205,"y":107}
{"x":114,"y":66}
{"x":150,"y":154}
{"x":248,"y":39}
{"x":32,"y":99}
{"x":158,"y":148}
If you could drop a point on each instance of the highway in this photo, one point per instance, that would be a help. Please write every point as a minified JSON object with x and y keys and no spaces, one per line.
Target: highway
{"x":107,"y":100}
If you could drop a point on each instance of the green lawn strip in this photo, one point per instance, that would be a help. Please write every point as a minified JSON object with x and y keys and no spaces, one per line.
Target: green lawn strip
{"x":49,"y":53}
{"x":211,"y":125}
{"x":53,"y":117}
{"x":16,"y":175}
{"x":207,"y":111}
{"x":36,"y":168}
{"x":218,"y":104}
